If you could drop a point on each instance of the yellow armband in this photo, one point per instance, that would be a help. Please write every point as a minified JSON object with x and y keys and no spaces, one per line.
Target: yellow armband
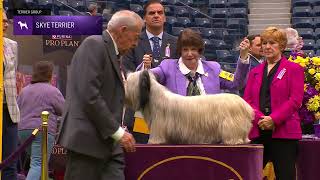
{"x":226,"y":75}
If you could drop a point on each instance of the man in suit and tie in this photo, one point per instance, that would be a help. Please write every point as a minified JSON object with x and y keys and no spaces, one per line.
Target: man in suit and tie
{"x":155,"y":44}
{"x":255,"y":51}
{"x":153,"y":41}
{"x":91,"y":129}
{"x":11,"y":113}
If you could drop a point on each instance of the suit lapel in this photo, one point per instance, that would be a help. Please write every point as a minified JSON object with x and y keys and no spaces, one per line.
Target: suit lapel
{"x":180,"y":81}
{"x":112,"y":54}
{"x":145,"y":43}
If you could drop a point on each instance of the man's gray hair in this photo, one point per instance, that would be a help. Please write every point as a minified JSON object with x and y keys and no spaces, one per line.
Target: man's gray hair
{"x":291,"y":32}
{"x":92,"y":7}
{"x":124,"y":18}
{"x":292,"y":37}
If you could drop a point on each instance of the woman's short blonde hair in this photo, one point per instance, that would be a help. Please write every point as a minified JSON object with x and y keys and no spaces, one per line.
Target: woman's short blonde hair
{"x":275,"y":34}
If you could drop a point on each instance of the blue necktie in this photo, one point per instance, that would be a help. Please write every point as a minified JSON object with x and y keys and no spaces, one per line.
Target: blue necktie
{"x":156,"y":49}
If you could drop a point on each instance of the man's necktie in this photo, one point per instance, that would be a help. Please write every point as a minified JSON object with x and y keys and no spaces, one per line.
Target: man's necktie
{"x":193,"y":89}
{"x":156,"y":50}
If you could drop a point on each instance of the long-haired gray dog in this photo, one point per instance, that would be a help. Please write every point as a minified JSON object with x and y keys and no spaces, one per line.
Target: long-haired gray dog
{"x":175,"y":119}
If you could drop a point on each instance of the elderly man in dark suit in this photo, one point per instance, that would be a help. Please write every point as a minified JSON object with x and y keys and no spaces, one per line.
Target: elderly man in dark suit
{"x":91,"y":129}
{"x":153,"y":41}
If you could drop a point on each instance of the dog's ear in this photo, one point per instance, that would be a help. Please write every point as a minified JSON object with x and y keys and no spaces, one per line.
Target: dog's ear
{"x":144,"y":85}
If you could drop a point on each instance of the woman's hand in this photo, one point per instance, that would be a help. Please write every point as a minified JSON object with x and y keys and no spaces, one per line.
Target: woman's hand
{"x":244,"y":48}
{"x":266,"y":123}
{"x":147,"y":59}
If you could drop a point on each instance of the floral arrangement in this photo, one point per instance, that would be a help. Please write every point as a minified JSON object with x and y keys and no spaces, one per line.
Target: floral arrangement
{"x":310,"y":110}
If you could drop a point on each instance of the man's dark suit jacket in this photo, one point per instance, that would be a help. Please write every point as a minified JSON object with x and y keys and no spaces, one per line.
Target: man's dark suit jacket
{"x":253,"y":62}
{"x":94,"y":102}
{"x":135,"y":56}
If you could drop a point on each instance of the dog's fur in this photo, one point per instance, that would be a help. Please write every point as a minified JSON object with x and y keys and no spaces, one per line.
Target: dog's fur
{"x":175,"y":119}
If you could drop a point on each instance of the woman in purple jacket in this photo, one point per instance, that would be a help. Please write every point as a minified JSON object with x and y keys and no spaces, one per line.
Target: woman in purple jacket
{"x":191,"y":75}
{"x":275,"y":90}
{"x":39,"y":96}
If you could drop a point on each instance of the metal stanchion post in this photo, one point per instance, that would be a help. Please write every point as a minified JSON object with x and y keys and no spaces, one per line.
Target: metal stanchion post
{"x":1,"y":78}
{"x":44,"y":162}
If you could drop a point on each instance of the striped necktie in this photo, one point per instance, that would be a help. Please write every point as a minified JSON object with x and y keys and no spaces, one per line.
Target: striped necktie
{"x":193,"y":89}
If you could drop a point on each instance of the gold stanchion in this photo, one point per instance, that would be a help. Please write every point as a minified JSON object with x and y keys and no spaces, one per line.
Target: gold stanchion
{"x":1,"y":77}
{"x":44,"y":162}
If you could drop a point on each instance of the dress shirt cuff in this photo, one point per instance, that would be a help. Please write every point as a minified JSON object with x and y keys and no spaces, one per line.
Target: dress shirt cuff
{"x":118,"y":134}
{"x":245,"y":61}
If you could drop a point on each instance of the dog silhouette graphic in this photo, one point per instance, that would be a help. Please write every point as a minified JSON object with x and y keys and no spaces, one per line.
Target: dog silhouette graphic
{"x":21,"y":24}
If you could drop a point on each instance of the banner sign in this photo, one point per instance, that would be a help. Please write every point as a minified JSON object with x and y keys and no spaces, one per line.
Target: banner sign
{"x":57,"y":25}
{"x":57,"y":42}
{"x":32,"y":12}
{"x":221,"y":162}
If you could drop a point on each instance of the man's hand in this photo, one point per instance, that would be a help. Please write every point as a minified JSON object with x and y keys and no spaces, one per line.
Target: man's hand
{"x":266,"y":123}
{"x":128,"y":142}
{"x":147,"y":59}
{"x":244,"y":48}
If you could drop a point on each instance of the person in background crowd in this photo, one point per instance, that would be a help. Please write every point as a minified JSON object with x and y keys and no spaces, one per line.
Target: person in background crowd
{"x":255,"y":54}
{"x":11,"y":113}
{"x":154,"y":42}
{"x":91,"y":128}
{"x":39,"y":96}
{"x":255,"y":51}
{"x":275,"y":91}
{"x":92,"y":9}
{"x":294,"y":44}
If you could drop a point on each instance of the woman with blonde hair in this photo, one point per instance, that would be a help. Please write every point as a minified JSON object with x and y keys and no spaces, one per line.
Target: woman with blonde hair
{"x":275,"y":90}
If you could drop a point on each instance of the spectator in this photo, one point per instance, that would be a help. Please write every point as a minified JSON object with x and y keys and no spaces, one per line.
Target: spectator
{"x":255,"y":51}
{"x":255,"y":54}
{"x":39,"y":96}
{"x":294,"y":44}
{"x":92,"y":10}
{"x":275,"y":91}
{"x":11,"y":113}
